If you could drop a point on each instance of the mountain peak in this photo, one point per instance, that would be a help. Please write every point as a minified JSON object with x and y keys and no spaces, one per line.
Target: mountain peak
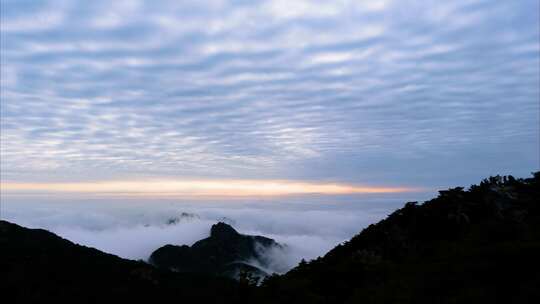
{"x":225,"y":252}
{"x":222,"y":230}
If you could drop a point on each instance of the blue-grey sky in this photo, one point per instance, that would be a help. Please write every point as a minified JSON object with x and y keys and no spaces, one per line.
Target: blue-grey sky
{"x":391,"y":93}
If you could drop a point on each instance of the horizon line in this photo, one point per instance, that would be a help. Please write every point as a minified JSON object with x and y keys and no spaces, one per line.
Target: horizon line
{"x":226,"y":188}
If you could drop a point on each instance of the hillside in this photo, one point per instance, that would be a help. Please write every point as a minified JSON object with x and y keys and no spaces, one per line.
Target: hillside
{"x":39,"y":266}
{"x":479,"y":245}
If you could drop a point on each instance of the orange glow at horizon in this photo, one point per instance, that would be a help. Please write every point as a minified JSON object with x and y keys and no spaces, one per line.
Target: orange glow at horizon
{"x":199,"y":188}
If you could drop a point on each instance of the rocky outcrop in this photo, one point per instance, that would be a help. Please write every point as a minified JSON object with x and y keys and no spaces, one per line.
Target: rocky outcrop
{"x":183,"y":217}
{"x":224,"y":252}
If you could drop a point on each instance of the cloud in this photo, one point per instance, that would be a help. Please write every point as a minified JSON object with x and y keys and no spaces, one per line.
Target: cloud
{"x":348,"y":91}
{"x":42,"y":20}
{"x":135,"y":229}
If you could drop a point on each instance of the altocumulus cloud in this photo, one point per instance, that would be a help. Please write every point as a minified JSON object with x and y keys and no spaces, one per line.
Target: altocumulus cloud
{"x":313,"y":90}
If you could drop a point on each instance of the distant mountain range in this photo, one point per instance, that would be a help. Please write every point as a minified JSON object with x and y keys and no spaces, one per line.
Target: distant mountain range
{"x":465,"y":246}
{"x":183,"y":217}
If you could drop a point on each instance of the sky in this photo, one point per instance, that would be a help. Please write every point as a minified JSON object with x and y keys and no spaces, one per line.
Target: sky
{"x":303,"y":121}
{"x":254,"y":97}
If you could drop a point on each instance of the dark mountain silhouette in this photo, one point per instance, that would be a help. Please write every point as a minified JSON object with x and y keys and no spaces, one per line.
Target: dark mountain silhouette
{"x":224,"y":252}
{"x":37,"y":266}
{"x":183,"y":217}
{"x":480,"y":245}
{"x":465,"y":246}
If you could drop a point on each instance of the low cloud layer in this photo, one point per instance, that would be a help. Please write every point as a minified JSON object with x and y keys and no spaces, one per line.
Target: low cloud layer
{"x":134,"y":230}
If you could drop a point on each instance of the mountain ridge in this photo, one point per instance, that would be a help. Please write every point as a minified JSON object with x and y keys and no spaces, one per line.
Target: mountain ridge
{"x":479,"y":244}
{"x":475,"y":245}
{"x":38,"y":266}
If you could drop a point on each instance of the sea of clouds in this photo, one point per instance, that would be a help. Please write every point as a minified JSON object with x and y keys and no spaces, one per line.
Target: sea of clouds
{"x":134,"y":229}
